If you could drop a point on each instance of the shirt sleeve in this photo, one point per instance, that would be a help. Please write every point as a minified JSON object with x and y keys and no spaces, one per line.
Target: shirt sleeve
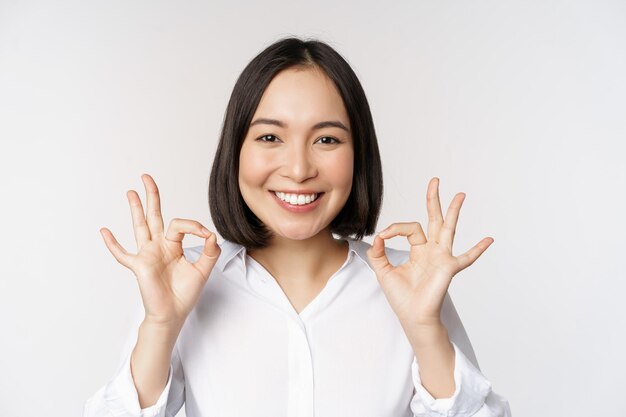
{"x":473,"y":394}
{"x":118,"y":397}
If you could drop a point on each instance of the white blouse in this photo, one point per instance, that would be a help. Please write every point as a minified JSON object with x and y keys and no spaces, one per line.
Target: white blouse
{"x":245,"y":351}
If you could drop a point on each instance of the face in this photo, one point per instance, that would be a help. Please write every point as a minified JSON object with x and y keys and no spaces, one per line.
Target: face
{"x":297,"y":146}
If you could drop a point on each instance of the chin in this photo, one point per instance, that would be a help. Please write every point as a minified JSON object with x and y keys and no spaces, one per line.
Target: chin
{"x":295,"y":234}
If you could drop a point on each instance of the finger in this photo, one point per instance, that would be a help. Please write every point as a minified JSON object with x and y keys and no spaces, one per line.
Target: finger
{"x":412,"y":230}
{"x":178,"y":228}
{"x":471,"y":255}
{"x":153,"y":215}
{"x":378,"y":259}
{"x":208,"y":257}
{"x":119,"y":253}
{"x":435,"y":218}
{"x":446,"y":234}
{"x":142,"y":232}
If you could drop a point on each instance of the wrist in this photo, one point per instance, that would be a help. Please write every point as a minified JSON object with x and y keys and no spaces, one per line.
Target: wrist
{"x":158,"y":331}
{"x":425,"y":336}
{"x":162,"y":323}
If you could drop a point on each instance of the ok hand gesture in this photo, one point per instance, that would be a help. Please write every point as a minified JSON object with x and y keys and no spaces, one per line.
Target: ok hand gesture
{"x":170,"y":285}
{"x":416,"y":289}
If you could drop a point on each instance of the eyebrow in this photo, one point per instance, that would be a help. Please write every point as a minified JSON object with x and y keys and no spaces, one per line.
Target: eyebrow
{"x":320,"y":125}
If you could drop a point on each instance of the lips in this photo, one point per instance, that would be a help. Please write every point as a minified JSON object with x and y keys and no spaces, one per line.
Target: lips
{"x":297,"y":199}
{"x":294,"y":208}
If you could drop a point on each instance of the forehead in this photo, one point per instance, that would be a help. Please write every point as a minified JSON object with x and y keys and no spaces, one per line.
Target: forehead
{"x":302,"y":95}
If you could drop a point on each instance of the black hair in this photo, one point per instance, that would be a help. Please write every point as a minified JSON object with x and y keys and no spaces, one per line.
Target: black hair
{"x":232,"y":218}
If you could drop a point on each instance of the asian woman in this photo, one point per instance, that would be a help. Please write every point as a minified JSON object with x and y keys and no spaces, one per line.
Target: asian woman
{"x":293,"y":314}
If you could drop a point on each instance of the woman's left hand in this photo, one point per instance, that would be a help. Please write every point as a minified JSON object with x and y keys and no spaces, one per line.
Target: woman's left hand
{"x":416,"y":289}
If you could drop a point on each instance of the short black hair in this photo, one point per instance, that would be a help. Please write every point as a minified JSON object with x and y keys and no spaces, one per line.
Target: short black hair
{"x":232,"y":218}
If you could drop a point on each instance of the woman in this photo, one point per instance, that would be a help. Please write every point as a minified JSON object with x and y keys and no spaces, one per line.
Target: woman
{"x":282,"y":318}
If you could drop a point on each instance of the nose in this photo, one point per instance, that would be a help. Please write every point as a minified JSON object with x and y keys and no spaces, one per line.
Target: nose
{"x":299,"y":164}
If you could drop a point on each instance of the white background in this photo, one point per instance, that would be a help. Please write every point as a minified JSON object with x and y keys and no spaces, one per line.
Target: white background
{"x":521,"y":105}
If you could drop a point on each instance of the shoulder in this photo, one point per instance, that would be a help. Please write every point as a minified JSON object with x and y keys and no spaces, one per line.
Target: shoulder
{"x":395,"y":256}
{"x":228,"y":251}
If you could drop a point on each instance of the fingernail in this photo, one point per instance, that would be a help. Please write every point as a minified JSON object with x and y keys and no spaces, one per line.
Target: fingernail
{"x":205,"y":231}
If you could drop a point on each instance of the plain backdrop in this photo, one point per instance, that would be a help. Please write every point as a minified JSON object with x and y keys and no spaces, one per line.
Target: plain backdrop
{"x":521,"y":105}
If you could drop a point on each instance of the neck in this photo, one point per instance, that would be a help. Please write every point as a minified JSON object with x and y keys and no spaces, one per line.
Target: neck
{"x":304,"y":261}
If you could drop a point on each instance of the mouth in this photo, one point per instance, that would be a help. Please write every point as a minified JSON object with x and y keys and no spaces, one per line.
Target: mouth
{"x":297,"y":199}
{"x":297,"y":202}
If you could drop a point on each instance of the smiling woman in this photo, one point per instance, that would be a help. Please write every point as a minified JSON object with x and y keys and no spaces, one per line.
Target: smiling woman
{"x":299,"y":115}
{"x":284,"y":319}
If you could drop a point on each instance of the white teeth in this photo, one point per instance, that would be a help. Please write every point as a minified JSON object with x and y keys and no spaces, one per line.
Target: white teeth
{"x":296,"y":199}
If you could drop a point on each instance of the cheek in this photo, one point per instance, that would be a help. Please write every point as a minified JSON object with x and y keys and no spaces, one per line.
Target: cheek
{"x":340,"y":168}
{"x":253,"y":167}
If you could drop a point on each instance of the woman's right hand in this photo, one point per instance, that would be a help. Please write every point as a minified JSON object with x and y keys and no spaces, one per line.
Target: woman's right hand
{"x":170,"y":285}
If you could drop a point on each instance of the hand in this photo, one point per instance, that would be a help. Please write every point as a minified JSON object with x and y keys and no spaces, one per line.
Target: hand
{"x":416,"y":289}
{"x":170,"y":285}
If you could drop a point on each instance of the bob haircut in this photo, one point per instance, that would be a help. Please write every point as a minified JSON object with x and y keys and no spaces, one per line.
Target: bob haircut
{"x":231,"y":216}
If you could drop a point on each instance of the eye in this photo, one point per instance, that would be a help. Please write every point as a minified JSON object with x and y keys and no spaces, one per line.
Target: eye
{"x":330,"y":138}
{"x":272,"y":138}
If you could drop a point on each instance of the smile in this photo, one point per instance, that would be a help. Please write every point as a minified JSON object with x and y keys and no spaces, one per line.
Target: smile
{"x":296,"y":199}
{"x":297,"y":203}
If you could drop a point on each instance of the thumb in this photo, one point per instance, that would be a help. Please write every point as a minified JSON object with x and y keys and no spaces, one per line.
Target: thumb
{"x":378,"y":259}
{"x":210,"y":253}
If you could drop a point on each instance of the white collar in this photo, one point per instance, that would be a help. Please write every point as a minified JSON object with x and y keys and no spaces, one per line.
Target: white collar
{"x":230,"y":250}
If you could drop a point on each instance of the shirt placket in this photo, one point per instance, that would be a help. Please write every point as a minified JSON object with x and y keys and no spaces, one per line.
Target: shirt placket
{"x":301,"y":384}
{"x":300,"y":399}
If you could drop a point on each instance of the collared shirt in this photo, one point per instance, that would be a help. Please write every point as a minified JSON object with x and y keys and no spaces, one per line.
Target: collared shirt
{"x":245,"y":351}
